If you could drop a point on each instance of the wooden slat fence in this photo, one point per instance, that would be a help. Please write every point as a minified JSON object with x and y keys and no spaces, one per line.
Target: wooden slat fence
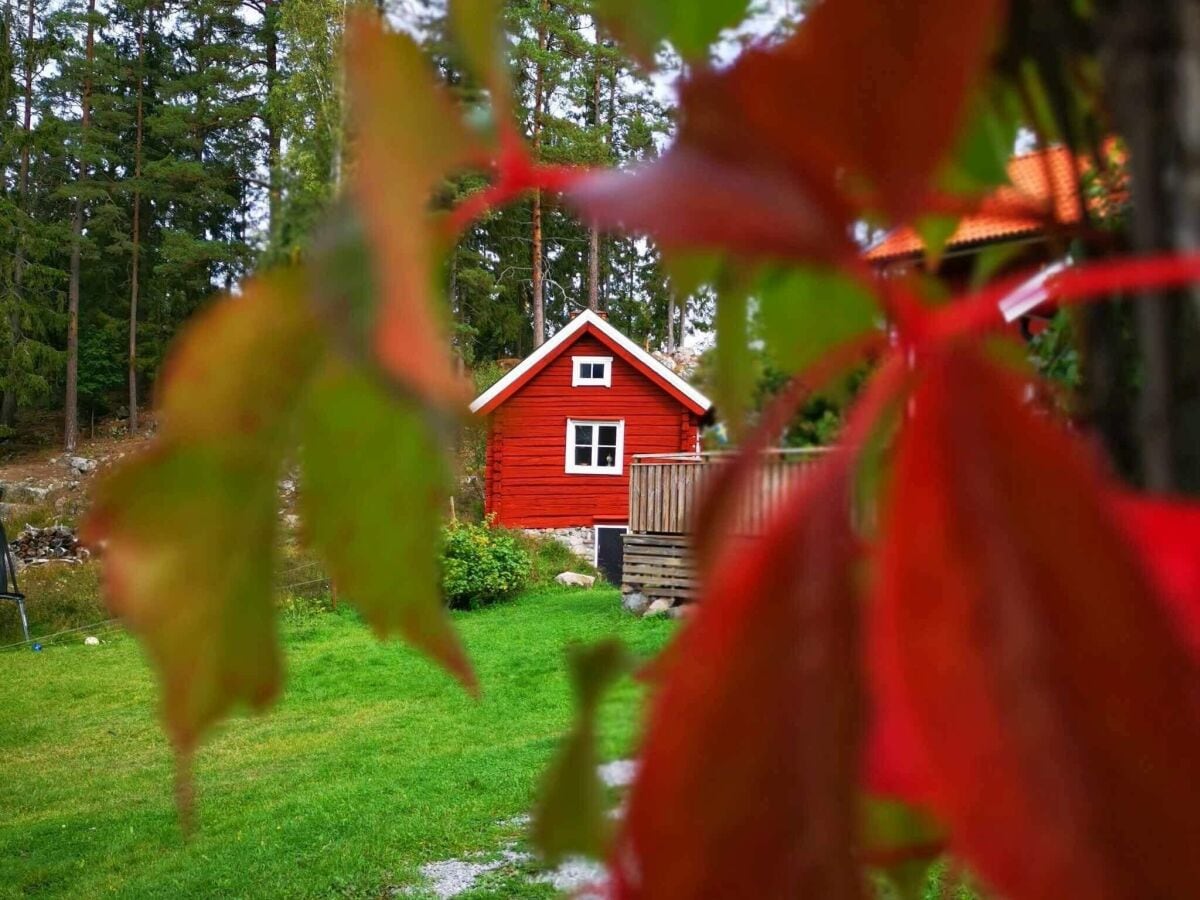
{"x":665,"y":491}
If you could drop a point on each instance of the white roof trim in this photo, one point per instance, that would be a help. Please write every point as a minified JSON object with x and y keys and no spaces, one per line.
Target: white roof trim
{"x":1031,"y":293}
{"x":564,"y":335}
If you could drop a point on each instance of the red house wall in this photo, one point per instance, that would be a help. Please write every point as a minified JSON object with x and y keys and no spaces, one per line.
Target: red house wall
{"x":527,"y":485}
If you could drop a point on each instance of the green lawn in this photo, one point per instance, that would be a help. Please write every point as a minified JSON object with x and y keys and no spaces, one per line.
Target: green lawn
{"x":373,"y":763}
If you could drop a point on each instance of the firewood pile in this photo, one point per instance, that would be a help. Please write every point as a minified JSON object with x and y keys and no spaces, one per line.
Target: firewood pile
{"x":37,"y":546}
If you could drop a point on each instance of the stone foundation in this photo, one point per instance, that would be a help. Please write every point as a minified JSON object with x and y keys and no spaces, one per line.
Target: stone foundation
{"x":580,"y":541}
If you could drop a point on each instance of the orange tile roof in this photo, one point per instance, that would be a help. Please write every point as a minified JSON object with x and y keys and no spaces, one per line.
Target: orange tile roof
{"x":1043,"y":189}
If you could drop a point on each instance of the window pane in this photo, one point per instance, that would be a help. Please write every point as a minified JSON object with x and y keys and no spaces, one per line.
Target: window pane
{"x":598,"y":371}
{"x":608,"y":457}
{"x":583,"y":456}
{"x":585,"y":371}
{"x":608,"y":435}
{"x":583,"y":435}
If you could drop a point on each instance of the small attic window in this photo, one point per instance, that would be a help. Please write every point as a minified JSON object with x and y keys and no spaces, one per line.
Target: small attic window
{"x":591,"y":371}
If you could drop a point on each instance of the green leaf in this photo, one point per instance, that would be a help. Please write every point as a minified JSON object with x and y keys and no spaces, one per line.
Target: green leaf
{"x":374,"y":489}
{"x":806,"y":311}
{"x":690,"y":271}
{"x":571,"y":817}
{"x":690,"y":26}
{"x":477,"y":31}
{"x":189,"y":527}
{"x":734,"y":365}
{"x":935,"y":232}
{"x":980,"y":160}
{"x":991,"y":260}
{"x":909,"y":837}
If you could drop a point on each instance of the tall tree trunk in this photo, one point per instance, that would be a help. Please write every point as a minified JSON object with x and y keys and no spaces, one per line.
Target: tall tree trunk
{"x":71,"y":423}
{"x":594,"y":231}
{"x":8,"y":408}
{"x":539,"y":98}
{"x":671,"y":323}
{"x":1151,"y":54}
{"x":136,"y":237}
{"x":274,"y":161}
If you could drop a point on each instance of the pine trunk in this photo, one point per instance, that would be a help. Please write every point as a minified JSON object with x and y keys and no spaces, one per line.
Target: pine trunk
{"x":539,"y":87}
{"x":1149,"y":49}
{"x":136,"y":236}
{"x":671,"y":324}
{"x":71,"y":424}
{"x":593,"y":290}
{"x":8,"y":409}
{"x":274,"y":144}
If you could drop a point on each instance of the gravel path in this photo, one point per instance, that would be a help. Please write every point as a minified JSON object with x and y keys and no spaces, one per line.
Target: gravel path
{"x":450,"y":877}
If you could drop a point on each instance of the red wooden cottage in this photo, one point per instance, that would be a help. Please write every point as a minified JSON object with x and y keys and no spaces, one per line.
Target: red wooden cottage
{"x":565,"y":423}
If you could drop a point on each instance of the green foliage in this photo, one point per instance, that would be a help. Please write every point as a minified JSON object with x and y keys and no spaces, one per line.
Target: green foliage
{"x":481,"y":564}
{"x":549,"y":557}
{"x":300,"y":607}
{"x":1055,"y":354}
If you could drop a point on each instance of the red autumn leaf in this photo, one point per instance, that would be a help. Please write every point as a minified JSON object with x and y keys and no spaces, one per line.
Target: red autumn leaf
{"x":1050,"y":699}
{"x":859,"y":107}
{"x":749,"y":781}
{"x":1167,"y":532}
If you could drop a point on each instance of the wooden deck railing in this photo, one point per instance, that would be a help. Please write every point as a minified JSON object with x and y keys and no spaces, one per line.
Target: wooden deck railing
{"x":665,"y":490}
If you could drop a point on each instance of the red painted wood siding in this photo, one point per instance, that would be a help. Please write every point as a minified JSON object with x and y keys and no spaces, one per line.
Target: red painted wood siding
{"x":527,"y":483}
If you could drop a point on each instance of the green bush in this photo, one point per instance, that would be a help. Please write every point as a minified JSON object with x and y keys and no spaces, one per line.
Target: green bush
{"x":481,"y":564}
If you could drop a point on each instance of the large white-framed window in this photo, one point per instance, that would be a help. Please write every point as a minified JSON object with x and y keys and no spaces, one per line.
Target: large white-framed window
{"x":591,"y":371}
{"x":595,"y":447}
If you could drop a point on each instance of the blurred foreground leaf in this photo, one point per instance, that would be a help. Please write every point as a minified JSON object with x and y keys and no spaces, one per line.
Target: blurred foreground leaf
{"x":372,"y":468}
{"x":571,"y":814}
{"x":190,"y":526}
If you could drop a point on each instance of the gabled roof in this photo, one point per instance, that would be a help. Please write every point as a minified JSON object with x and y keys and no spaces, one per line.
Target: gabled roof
{"x":588,"y":322}
{"x":1044,"y":183}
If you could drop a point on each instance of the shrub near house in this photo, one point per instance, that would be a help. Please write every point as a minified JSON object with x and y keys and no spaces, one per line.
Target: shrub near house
{"x":481,"y":564}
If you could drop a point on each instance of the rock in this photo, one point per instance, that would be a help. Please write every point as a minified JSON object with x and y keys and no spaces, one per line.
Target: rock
{"x":81,"y":464}
{"x":635,"y":602}
{"x":29,"y":494}
{"x":92,"y":641}
{"x":682,"y":611}
{"x":575,"y":579}
{"x":659,"y":607}
{"x":38,"y":545}
{"x":618,"y":773}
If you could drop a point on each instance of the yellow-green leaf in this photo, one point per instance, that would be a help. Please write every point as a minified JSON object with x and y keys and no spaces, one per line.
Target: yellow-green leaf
{"x":571,"y":817}
{"x":188,"y":528}
{"x":373,"y":494}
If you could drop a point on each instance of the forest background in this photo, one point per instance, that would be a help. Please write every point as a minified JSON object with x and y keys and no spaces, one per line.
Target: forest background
{"x":155,"y":152}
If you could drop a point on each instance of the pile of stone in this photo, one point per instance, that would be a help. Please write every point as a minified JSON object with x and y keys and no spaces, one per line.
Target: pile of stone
{"x":38,"y":546}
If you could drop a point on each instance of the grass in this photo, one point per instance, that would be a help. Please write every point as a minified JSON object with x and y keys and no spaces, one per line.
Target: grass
{"x":373,"y":763}
{"x":58,"y":596}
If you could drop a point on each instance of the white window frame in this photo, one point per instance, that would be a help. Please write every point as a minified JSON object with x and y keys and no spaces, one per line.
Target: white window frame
{"x":574,"y":468}
{"x":577,"y":379}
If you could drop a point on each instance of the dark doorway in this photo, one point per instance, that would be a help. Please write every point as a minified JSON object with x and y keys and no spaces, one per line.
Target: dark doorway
{"x":610,"y":552}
